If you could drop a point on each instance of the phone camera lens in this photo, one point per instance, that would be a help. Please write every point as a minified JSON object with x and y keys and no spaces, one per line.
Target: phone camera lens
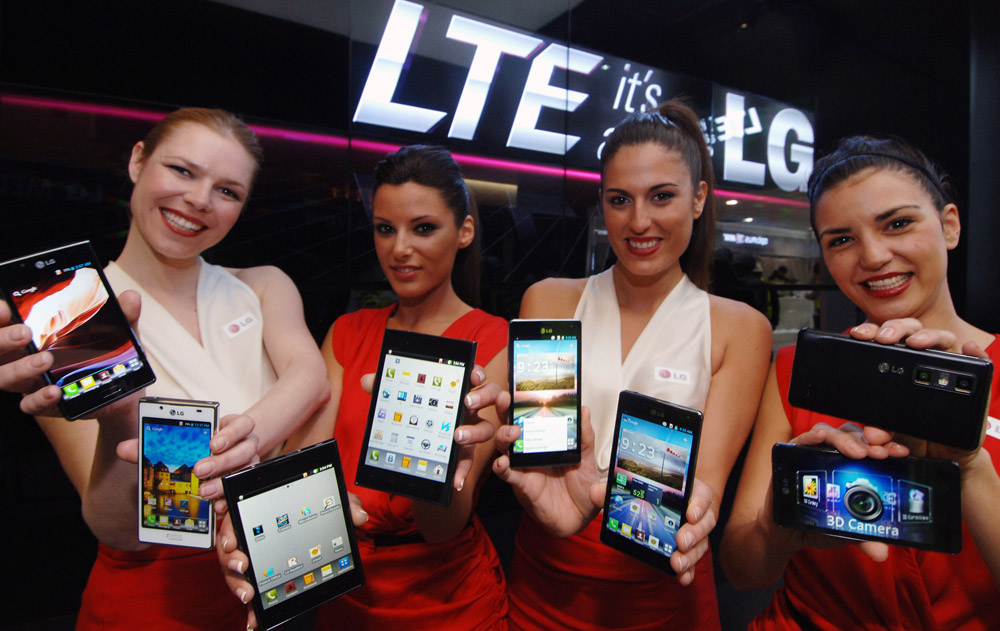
{"x":923,"y":375}
{"x":862,"y":500}
{"x":964,"y":383}
{"x":173,"y":412}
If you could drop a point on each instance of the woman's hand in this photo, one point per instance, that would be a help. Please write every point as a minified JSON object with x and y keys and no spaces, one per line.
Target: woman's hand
{"x":563,"y":499}
{"x":235,"y":562}
{"x":912,"y":332}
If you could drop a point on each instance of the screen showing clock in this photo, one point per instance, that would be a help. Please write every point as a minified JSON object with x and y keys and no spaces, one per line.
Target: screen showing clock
{"x":546,"y":393}
{"x":651,"y":476}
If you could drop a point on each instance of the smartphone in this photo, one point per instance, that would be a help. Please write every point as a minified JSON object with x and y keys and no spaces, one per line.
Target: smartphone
{"x":292,"y":518}
{"x":915,"y":502}
{"x":417,"y":403}
{"x":64,"y":298}
{"x":544,"y":365}
{"x":936,"y":396}
{"x":174,"y":434}
{"x":653,"y":460}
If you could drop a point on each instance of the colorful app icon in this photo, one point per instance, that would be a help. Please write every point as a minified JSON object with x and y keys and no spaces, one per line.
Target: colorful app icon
{"x":432,"y":402}
{"x":338,"y":542}
{"x":164,"y":521}
{"x":810,"y":486}
{"x":406,"y":377}
{"x":118,"y":369}
{"x":397,"y":417}
{"x":613,"y":523}
{"x":385,"y":394}
{"x":405,"y":463}
{"x":306,"y":511}
{"x":390,"y":373}
{"x":315,"y":553}
{"x":282,"y":520}
{"x":438,"y":471}
{"x":290,"y":587}
{"x":378,"y":434}
{"x":71,"y":389}
{"x":452,"y":384}
{"x":626,"y":530}
{"x":436,"y":381}
{"x":329,"y":502}
{"x":654,"y":542}
{"x":421,"y":465}
{"x":269,"y":572}
{"x":425,"y":444}
{"x":449,"y":405}
{"x":401,"y":396}
{"x":151,"y":520}
{"x":374,"y":455}
{"x":87,"y":382}
{"x":168,"y":502}
{"x":308,"y":579}
{"x":445,"y":426}
{"x":417,"y":399}
{"x":104,"y":375}
{"x":421,"y":378}
{"x":390,"y":458}
{"x":381,"y":413}
{"x":189,"y":523}
{"x":271,"y":595}
{"x":326,"y":571}
{"x":344,"y":562}
{"x":621,"y":480}
{"x":293,"y":561}
{"x":519,"y":445}
{"x":414,"y":420}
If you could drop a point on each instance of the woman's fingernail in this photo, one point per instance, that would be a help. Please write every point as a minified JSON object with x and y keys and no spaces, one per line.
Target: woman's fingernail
{"x":885,"y":331}
{"x":225,"y":540}
{"x":236,"y":566}
{"x":205,"y":469}
{"x":697,"y":513}
{"x":461,"y":485}
{"x":471,"y":400}
{"x":219,"y":444}
{"x":461,"y":435}
{"x":36,"y":361}
{"x":242,"y":595}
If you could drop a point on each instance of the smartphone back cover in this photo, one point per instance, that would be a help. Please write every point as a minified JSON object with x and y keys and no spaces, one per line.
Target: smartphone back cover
{"x":879,"y":385}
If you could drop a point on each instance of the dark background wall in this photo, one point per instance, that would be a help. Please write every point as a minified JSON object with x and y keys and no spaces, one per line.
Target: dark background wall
{"x":925,"y":71}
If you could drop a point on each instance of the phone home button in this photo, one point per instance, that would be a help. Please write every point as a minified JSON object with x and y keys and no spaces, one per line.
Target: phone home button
{"x":175,"y":537}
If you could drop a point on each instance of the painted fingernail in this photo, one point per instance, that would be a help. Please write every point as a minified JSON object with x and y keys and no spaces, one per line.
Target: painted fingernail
{"x":236,"y":566}
{"x":471,"y":400}
{"x":242,"y":595}
{"x":461,"y":435}
{"x":697,"y":513}
{"x":225,"y":540}
{"x":365,"y":514}
{"x":461,"y":485}
{"x":885,"y":331}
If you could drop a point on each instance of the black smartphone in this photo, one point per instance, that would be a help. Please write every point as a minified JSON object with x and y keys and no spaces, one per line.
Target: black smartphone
{"x":292,"y":517}
{"x":915,"y":502}
{"x":936,"y":396}
{"x":544,"y":365}
{"x":174,"y":434}
{"x":64,"y":298}
{"x":653,"y":460}
{"x":417,"y":403}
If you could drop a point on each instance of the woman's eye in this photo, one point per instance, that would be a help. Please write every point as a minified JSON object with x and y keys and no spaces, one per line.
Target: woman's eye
{"x":663,"y":197}
{"x":425,"y":228}
{"x":617,"y":200}
{"x":228,"y":192}
{"x":383,"y":228}
{"x":837,"y":241}
{"x":181,"y":170}
{"x":899,"y":224}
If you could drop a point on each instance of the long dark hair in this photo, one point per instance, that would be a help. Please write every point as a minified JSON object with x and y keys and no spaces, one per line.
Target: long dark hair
{"x":859,"y":153}
{"x":434,"y":167}
{"x":675,"y":126}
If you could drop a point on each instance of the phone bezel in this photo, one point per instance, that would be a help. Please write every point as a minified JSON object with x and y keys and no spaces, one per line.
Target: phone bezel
{"x":408,"y":342}
{"x":788,"y":459}
{"x":526,"y":329}
{"x":86,"y":403}
{"x":640,"y":406}
{"x":201,"y":411}
{"x":269,"y":475}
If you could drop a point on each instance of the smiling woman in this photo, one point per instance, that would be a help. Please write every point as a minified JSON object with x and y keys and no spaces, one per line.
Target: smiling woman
{"x":192,"y":175}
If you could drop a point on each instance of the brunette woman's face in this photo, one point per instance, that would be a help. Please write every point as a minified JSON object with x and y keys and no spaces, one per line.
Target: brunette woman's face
{"x":649,"y":207}
{"x":189,"y":191}
{"x":886,"y":245}
{"x":416,"y":238}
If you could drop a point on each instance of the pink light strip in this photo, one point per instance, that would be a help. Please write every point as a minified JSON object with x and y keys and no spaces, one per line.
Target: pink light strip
{"x":365,"y":145}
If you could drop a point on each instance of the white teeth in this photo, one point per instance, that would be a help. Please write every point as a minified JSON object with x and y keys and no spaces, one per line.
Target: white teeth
{"x":887,"y":283}
{"x":179,"y":222}
{"x":645,"y":244}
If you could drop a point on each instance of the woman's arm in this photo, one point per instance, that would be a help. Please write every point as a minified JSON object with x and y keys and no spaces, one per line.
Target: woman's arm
{"x":980,"y":491}
{"x":441,"y":523}
{"x":302,"y":385}
{"x":321,"y":425}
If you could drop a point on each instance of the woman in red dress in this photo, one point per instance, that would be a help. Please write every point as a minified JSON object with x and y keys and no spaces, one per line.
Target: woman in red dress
{"x":885,"y":224}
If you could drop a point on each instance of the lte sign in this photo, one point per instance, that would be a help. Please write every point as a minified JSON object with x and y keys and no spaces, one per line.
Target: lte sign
{"x":376,"y":105}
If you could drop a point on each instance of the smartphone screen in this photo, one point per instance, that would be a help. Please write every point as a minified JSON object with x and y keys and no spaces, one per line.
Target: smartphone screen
{"x":63,"y":297}
{"x":174,"y":435}
{"x":416,"y":406}
{"x":903,"y":501}
{"x":544,"y":378}
{"x":649,"y":484}
{"x":292,"y":518}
